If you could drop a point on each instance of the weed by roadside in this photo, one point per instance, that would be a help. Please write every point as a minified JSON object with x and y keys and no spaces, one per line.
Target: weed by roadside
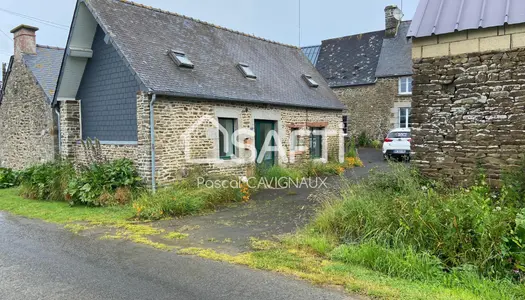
{"x":9,"y":178}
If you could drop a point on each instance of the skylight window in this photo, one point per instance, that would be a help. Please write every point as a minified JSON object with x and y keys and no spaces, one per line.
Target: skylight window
{"x":248,"y":73}
{"x":309,"y":80}
{"x":181,"y":59}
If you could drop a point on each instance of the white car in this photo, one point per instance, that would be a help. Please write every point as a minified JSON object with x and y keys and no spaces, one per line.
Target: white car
{"x":397,"y":144}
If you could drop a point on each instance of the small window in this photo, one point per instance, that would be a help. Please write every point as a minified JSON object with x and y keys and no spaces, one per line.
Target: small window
{"x":309,"y":80}
{"x":246,"y":71}
{"x":226,"y":142}
{"x":316,"y":143}
{"x":405,"y":85}
{"x":294,"y":139}
{"x":181,"y":59}
{"x":405,"y":117}
{"x":345,"y":124}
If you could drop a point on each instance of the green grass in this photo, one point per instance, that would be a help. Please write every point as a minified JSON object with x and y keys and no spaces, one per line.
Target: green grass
{"x":60,"y":212}
{"x":355,"y":278}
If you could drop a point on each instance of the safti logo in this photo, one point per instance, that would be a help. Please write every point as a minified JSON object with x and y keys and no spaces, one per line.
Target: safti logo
{"x":238,"y":145}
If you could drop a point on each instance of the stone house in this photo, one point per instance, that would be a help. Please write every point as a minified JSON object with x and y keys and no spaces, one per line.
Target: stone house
{"x":171,"y":92}
{"x":371,"y":74}
{"x":28,"y":123}
{"x":469,"y":87}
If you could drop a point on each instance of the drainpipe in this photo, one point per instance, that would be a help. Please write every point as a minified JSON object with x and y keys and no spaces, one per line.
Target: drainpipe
{"x":57,"y":112}
{"x":152,"y":136}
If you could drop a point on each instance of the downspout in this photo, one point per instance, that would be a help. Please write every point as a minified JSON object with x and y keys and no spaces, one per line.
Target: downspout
{"x":57,"y":112}
{"x":152,"y":136}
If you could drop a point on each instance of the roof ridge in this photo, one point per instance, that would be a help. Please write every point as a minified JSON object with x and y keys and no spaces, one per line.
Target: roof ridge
{"x":352,"y":35}
{"x":50,"y":47}
{"x":203,"y":22}
{"x":312,"y":46}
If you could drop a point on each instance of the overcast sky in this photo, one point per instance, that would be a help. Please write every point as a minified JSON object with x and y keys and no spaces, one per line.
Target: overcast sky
{"x":273,"y":19}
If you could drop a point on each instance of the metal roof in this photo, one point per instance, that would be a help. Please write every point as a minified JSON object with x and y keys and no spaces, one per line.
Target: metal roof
{"x":45,"y":66}
{"x":312,"y":52}
{"x":143,"y":35}
{"x":446,"y":16}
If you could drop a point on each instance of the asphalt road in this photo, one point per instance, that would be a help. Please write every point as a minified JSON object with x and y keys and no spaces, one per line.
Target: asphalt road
{"x":43,"y":261}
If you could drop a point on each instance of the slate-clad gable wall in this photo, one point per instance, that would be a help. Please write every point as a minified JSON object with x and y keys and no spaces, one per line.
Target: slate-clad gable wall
{"x":108,"y":94}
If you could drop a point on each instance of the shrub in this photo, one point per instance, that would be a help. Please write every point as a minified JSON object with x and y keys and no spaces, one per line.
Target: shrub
{"x":8,"y":178}
{"x":376,"y":144}
{"x":351,"y":149}
{"x":363,"y":140}
{"x":47,"y":181}
{"x":398,"y":210}
{"x":103,"y":184}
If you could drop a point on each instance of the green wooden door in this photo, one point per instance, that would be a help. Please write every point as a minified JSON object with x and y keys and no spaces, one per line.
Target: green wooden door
{"x":262,"y":130}
{"x":316,"y":143}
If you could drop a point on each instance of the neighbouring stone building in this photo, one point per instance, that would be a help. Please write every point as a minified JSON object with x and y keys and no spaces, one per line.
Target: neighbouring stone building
{"x":371,"y":74}
{"x":28,"y":124}
{"x":169,"y":92}
{"x":469,"y":88}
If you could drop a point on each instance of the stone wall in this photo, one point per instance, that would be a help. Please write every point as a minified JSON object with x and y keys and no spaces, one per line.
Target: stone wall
{"x":468,"y":110}
{"x":179,"y":120}
{"x":28,"y":132}
{"x":373,"y":109}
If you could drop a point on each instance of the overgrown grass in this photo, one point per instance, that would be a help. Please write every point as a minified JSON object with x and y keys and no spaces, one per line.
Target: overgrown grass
{"x":460,"y":227}
{"x":465,"y":243}
{"x":186,"y":198}
{"x":60,"y":211}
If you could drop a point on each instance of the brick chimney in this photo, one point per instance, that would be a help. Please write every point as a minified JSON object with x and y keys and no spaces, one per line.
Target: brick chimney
{"x":391,"y":23}
{"x":24,"y":40}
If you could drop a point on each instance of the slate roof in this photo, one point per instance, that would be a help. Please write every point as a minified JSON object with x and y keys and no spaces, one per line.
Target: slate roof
{"x":312,"y":52}
{"x":143,"y":35}
{"x":45,"y":66}
{"x":446,"y":16}
{"x":396,"y":54}
{"x":350,"y":60}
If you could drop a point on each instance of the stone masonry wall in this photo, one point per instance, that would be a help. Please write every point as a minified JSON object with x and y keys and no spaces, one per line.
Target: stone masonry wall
{"x":373,"y":108}
{"x":28,"y":133}
{"x":469,"y":110}
{"x":174,"y":117}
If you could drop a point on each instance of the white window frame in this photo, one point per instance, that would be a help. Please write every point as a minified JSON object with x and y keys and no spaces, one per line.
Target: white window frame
{"x":407,"y":117}
{"x":404,"y":82}
{"x":236,"y":115}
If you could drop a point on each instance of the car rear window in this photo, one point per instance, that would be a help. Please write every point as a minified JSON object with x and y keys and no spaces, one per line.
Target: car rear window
{"x":399,"y":135}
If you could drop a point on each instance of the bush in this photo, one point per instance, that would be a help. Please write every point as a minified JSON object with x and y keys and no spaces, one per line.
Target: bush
{"x":398,"y":210}
{"x":103,"y":184}
{"x":47,"y":181}
{"x":351,"y":149}
{"x":8,"y":178}
{"x":376,"y":144}
{"x":183,"y":199}
{"x":363,"y":140}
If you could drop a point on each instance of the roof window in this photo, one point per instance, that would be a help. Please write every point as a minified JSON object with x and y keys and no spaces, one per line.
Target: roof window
{"x":246,"y":71}
{"x":181,"y":59}
{"x":310,"y":81}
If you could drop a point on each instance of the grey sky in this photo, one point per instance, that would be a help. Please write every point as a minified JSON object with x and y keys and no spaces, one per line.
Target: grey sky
{"x":273,"y":19}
